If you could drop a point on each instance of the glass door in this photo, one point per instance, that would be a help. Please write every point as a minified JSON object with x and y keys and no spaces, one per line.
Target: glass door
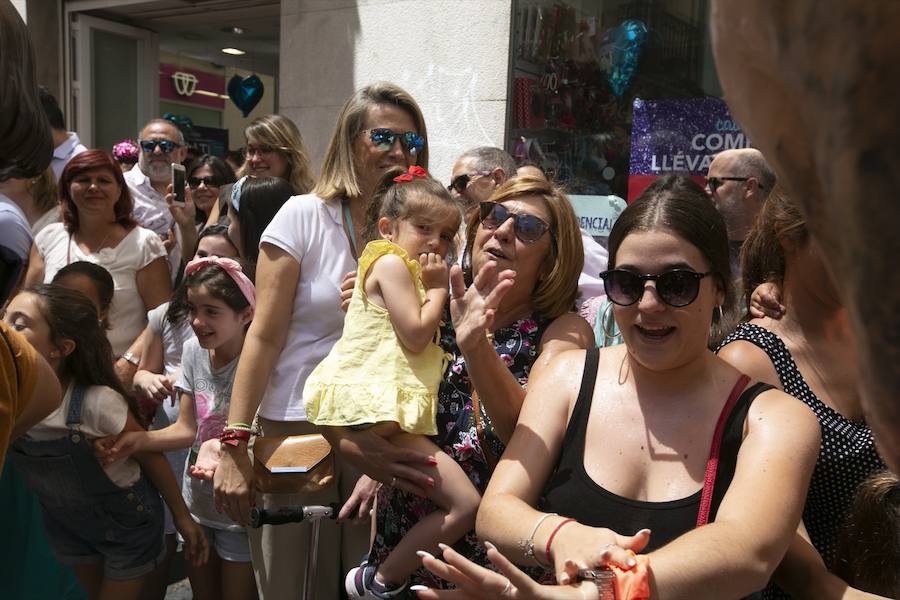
{"x":113,"y":77}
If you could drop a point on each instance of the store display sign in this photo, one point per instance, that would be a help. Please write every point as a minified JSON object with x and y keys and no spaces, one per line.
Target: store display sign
{"x":679,"y":136}
{"x":191,"y":86}
{"x":596,"y":214}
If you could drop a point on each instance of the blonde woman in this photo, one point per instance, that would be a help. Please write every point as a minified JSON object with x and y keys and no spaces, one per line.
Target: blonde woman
{"x":275,"y":149}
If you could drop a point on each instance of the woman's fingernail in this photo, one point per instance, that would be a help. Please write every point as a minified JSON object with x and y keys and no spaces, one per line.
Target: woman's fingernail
{"x":643,"y":532}
{"x":443,"y":547}
{"x":489,"y":546}
{"x":564,"y":580}
{"x":430,"y":482}
{"x":432,"y":461}
{"x":418,"y":588}
{"x":423,"y":554}
{"x":630,"y":562}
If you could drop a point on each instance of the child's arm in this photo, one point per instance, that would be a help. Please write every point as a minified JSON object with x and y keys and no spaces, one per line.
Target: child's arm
{"x":150,"y":381}
{"x":415,"y":324}
{"x":160,"y":474}
{"x":180,"y":434}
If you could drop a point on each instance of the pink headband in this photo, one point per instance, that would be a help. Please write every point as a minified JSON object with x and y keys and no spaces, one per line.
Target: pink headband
{"x":230,"y":266}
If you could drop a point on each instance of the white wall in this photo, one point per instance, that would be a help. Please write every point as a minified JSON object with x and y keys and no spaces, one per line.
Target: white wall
{"x":452,"y":56}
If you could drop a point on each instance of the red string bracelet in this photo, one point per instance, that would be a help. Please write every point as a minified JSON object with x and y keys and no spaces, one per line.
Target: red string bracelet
{"x":553,"y":535}
{"x":232,"y":437}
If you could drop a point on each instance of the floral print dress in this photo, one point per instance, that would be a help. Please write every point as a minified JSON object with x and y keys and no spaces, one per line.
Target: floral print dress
{"x":398,"y":511}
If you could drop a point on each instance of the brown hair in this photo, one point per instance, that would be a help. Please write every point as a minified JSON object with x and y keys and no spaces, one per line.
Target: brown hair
{"x":282,"y":134}
{"x":677,"y":203}
{"x":554,"y":294}
{"x":424,"y":197}
{"x":43,"y":191}
{"x":87,"y":161}
{"x":71,"y":315}
{"x":867,"y":556}
{"x":762,"y":254}
{"x":339,"y":178}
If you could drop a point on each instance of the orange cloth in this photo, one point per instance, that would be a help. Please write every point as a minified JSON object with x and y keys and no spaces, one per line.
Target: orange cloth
{"x":18,"y":377}
{"x":633,"y":584}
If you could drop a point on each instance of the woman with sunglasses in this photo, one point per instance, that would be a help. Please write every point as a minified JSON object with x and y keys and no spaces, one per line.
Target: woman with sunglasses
{"x":807,"y":352}
{"x":612,"y":450}
{"x":521,"y":265}
{"x":304,"y":254}
{"x":206,"y":177}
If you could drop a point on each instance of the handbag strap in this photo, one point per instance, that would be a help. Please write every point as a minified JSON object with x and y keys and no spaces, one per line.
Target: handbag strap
{"x":489,"y":457}
{"x":712,"y":464}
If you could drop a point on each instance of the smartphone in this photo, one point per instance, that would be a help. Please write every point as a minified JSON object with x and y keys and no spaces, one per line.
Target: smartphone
{"x":178,"y":182}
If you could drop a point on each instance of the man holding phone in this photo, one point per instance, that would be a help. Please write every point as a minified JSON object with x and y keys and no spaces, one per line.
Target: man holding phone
{"x":162,"y":144}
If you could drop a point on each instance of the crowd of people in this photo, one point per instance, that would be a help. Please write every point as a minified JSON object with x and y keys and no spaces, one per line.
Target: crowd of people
{"x":511,"y":409}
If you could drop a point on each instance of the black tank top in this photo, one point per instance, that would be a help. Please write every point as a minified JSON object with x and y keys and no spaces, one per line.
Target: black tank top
{"x":571,"y":492}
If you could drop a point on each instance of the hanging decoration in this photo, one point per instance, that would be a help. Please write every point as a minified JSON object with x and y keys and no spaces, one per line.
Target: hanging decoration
{"x":245,"y":92}
{"x":620,"y":53}
{"x":185,"y":124}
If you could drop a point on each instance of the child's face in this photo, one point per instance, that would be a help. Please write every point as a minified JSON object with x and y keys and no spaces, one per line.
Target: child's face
{"x":214,"y":323}
{"x":24,"y":315}
{"x":419,"y":236}
{"x":85,"y":285}
{"x":215,"y":245}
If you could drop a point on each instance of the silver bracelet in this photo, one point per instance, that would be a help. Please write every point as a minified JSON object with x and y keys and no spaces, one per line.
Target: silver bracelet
{"x":527,"y":546}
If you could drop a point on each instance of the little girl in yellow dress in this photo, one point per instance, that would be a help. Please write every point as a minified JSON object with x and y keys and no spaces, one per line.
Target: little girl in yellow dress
{"x":384,"y":371}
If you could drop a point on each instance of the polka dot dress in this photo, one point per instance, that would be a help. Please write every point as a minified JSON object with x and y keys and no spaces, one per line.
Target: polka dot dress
{"x":847,"y":455}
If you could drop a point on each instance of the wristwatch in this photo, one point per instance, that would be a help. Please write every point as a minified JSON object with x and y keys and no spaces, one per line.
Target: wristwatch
{"x":130,"y":357}
{"x":604,"y":579}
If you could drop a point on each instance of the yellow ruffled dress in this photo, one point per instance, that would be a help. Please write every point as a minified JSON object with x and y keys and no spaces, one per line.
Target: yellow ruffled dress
{"x":369,"y":376}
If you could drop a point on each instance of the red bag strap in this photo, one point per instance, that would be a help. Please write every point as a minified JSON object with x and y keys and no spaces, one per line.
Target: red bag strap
{"x":712,"y":465}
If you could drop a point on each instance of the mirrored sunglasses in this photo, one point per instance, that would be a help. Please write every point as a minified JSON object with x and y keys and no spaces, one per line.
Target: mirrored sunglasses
{"x":166,"y":146}
{"x":411,"y":142}
{"x":678,"y":287}
{"x":528,"y":228}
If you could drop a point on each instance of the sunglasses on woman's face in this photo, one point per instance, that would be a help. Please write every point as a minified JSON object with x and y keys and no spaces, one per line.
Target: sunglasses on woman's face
{"x":678,"y":287}
{"x":196,"y":182}
{"x":384,"y":139}
{"x":528,"y":228}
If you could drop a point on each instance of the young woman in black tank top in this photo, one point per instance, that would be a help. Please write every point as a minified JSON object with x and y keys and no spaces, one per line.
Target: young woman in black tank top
{"x":620,"y":439}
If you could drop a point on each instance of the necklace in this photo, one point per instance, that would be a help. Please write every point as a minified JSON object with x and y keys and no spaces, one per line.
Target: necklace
{"x":72,"y":238}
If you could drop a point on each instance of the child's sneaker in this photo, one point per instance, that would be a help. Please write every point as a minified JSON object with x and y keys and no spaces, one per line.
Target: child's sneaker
{"x":360,"y":584}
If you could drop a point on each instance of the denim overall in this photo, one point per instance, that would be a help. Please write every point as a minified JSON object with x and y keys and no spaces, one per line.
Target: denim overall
{"x":88,"y":517}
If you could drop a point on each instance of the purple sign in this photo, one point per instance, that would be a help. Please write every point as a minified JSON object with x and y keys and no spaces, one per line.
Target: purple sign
{"x":679,"y":136}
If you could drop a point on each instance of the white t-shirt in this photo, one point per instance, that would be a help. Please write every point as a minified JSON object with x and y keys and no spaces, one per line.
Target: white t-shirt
{"x":312,"y":232}
{"x":63,"y":153}
{"x":103,"y":412}
{"x":173,"y":336}
{"x":15,"y":233}
{"x":51,"y":216}
{"x":127,"y":313}
{"x":152,"y":212}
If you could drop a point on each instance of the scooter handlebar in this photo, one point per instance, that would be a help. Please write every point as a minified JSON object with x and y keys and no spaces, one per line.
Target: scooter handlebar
{"x":291,"y":514}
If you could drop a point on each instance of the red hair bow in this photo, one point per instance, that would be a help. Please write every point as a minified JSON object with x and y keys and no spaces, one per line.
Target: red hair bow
{"x":413,"y":171}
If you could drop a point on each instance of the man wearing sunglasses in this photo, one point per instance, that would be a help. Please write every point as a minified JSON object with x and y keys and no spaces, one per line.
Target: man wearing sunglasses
{"x":161,"y":144}
{"x":738,"y":181}
{"x":480,"y":171}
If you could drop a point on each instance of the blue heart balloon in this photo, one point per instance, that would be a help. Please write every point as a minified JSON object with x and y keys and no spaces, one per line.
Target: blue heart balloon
{"x":620,"y":53}
{"x":245,"y":92}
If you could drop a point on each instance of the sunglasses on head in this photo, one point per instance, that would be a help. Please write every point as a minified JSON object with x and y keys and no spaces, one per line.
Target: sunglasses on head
{"x":528,"y":228}
{"x":196,"y":182}
{"x":678,"y":287}
{"x":715,"y":183}
{"x":461,"y":182}
{"x":166,"y":146}
{"x":384,"y":139}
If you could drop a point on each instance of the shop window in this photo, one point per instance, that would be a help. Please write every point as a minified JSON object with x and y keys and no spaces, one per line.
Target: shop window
{"x":578,"y":66}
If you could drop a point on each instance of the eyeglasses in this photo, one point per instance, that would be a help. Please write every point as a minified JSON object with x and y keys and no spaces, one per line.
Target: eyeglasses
{"x":528,"y":228}
{"x":196,"y":182}
{"x":715,"y":183}
{"x":461,"y":182}
{"x":166,"y":146}
{"x":678,"y":287}
{"x":260,"y":150}
{"x":384,"y":139}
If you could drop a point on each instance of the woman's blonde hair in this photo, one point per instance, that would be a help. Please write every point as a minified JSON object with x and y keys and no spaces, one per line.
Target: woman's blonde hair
{"x":43,"y":191}
{"x":281,"y":133}
{"x":555,"y":292}
{"x":338,"y":178}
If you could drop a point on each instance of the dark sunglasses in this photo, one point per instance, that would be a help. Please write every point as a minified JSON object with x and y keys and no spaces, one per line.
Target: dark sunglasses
{"x":461,"y":182}
{"x":384,"y":139}
{"x":196,"y":182}
{"x":715,"y":183}
{"x":166,"y":146}
{"x":678,"y":287}
{"x":528,"y":228}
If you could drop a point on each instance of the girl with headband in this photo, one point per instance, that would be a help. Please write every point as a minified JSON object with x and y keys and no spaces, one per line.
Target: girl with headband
{"x":383,"y":372}
{"x":220,"y":301}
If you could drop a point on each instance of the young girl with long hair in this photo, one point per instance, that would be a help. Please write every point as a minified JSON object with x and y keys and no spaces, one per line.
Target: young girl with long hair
{"x":220,"y":301}
{"x":105,"y":521}
{"x":384,"y":370}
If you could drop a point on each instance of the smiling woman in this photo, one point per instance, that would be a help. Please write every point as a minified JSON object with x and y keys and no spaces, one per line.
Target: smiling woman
{"x":97,"y":226}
